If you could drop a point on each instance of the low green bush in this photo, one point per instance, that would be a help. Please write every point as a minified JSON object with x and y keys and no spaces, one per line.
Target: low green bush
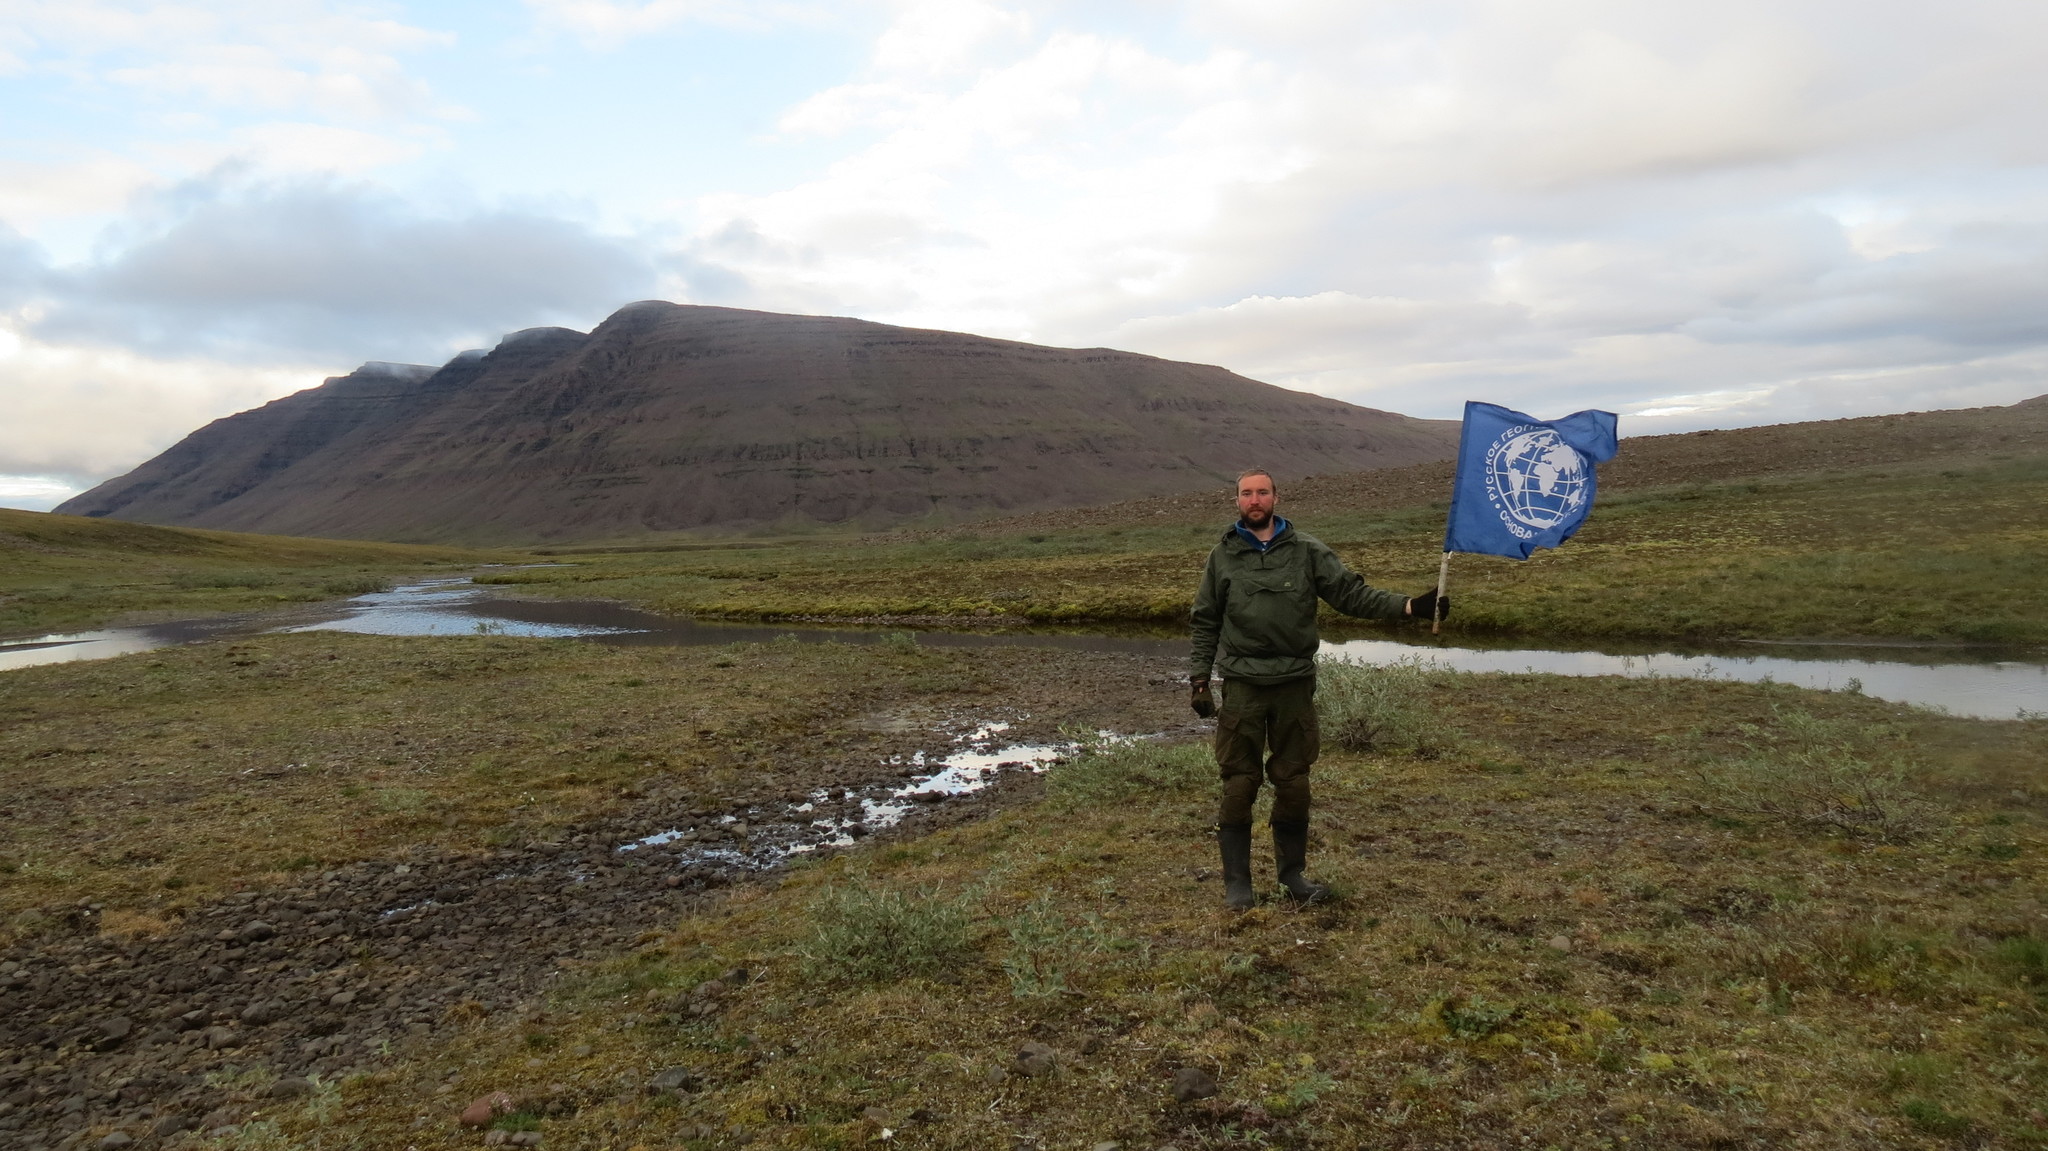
{"x":1381,"y":708}
{"x":875,"y":934}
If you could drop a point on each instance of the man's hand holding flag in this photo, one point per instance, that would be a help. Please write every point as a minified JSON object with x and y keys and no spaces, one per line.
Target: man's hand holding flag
{"x":1522,"y":483}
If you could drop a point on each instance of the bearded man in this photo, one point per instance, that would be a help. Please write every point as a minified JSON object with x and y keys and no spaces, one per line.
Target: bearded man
{"x":1254,"y":620}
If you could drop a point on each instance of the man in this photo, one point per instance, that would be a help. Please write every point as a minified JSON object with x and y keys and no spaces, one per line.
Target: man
{"x":1257,"y":603}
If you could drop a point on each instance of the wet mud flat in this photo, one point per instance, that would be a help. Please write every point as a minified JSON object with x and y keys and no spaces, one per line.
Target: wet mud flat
{"x":336,"y":973}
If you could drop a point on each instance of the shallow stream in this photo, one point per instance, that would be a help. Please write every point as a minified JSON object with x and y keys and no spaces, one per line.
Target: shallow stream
{"x":1973,"y":682}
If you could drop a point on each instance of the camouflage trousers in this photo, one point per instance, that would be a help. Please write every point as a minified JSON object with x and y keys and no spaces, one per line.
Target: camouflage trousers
{"x":1266,"y":731}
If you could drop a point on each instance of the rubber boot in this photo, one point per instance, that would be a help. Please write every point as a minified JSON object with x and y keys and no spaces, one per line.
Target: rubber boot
{"x":1235,"y":840}
{"x":1290,"y":855}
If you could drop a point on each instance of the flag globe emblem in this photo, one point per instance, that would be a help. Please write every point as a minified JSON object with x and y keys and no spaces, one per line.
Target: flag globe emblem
{"x":1535,"y":477}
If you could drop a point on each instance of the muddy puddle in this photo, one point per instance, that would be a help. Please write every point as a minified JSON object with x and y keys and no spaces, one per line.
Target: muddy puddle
{"x":833,"y":817}
{"x":1980,"y":683}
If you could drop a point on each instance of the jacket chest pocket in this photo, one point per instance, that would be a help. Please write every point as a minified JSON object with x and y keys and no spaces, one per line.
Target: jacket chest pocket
{"x":1266,"y":593}
{"x":1283,"y":583}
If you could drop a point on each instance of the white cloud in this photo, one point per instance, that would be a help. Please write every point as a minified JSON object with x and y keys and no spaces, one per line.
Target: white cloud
{"x":608,"y":23}
{"x":35,"y":493}
{"x":94,"y":183}
{"x":281,"y":86}
{"x":311,"y":270}
{"x":275,"y":54}
{"x":77,"y":414}
{"x":1593,"y":201}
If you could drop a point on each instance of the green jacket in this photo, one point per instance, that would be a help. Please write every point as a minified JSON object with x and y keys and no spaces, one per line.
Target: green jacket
{"x":1260,"y":607}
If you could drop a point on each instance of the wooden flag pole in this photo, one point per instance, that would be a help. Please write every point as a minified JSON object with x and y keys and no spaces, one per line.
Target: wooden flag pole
{"x":1443,"y":575}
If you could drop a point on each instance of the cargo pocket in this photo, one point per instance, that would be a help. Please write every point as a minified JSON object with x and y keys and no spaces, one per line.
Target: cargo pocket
{"x":1236,"y":754}
{"x":1296,"y":748}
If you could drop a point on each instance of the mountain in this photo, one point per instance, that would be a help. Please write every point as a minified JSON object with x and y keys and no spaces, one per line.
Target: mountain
{"x":671,"y":417}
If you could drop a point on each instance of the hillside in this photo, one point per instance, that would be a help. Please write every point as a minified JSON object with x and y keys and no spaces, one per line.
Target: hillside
{"x":675,"y":418}
{"x":1962,"y":436}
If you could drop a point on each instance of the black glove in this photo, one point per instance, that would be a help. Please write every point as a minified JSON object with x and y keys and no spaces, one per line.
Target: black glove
{"x":1203,"y":702}
{"x":1430,"y":606}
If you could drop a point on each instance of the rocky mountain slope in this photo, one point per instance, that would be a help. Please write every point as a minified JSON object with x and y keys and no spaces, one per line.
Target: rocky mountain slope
{"x":669,"y":417}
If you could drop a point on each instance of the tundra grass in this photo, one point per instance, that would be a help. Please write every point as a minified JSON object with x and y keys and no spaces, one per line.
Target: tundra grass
{"x":1579,"y":913}
{"x":70,"y":573}
{"x":154,"y":782}
{"x":1958,"y":553}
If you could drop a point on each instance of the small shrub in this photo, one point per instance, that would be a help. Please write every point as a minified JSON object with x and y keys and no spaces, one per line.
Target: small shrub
{"x":2024,"y":960}
{"x":1472,"y":1018}
{"x":1380,"y":708}
{"x":517,"y":1121}
{"x":1300,"y":1094}
{"x":1935,"y":1119}
{"x":874,"y":935}
{"x":1041,"y":950}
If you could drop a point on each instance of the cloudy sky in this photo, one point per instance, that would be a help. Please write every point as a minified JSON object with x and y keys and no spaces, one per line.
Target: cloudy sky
{"x":1696,"y":215}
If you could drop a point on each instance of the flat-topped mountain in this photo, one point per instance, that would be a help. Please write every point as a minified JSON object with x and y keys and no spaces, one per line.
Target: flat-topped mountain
{"x":670,"y":417}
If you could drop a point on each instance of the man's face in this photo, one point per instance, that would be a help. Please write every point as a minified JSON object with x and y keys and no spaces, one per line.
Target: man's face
{"x":1255,"y":500}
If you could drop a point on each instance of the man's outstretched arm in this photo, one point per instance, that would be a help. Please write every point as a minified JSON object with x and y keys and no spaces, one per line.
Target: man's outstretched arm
{"x":1347,"y":591}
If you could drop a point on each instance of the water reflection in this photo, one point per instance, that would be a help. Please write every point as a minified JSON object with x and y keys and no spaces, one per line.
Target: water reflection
{"x":1990,"y":689}
{"x":448,"y":607}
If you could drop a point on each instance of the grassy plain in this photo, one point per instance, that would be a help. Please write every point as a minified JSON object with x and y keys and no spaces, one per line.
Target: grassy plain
{"x":1950,"y":550}
{"x":156,"y":782}
{"x":1572,"y":913}
{"x":69,"y":573}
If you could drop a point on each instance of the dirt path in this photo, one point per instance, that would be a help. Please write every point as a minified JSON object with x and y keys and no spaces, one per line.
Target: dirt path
{"x":334,"y":974}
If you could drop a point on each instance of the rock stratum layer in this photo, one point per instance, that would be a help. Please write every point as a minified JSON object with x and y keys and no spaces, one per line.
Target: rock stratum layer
{"x":670,"y":417}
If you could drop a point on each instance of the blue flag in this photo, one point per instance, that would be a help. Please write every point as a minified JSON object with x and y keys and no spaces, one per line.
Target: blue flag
{"x":1524,"y":483}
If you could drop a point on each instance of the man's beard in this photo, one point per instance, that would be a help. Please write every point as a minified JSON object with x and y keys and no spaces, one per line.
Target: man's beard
{"x":1257,"y":519}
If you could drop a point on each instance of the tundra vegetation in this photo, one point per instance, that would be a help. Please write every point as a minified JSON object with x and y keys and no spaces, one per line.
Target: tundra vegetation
{"x":1692,"y":913}
{"x":1944,"y":551}
{"x":1569,"y":913}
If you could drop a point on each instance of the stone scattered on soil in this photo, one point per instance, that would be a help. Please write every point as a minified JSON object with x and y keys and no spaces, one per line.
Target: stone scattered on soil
{"x":485,"y":1108}
{"x":1036,"y":1060}
{"x":674,"y":1081}
{"x":1192,"y":1083}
